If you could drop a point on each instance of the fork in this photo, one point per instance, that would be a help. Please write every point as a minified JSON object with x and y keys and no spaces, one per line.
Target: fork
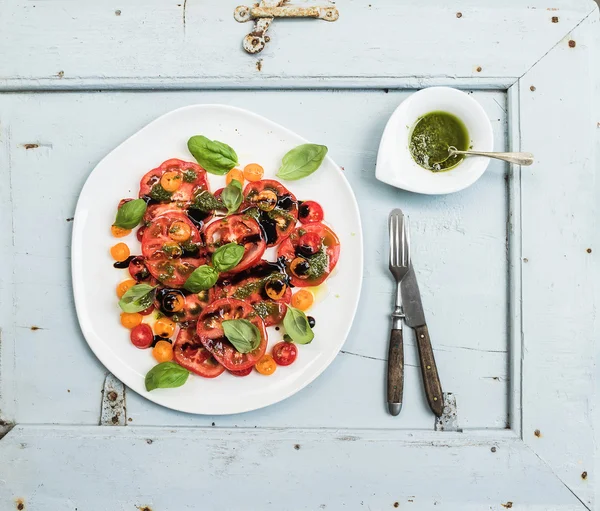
{"x":399,"y":266}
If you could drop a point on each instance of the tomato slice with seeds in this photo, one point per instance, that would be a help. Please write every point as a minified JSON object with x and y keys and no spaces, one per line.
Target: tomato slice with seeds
{"x":240,"y":229}
{"x":284,"y":353}
{"x":310,"y":270}
{"x":192,"y":181}
{"x":243,"y":373}
{"x":194,"y":305}
{"x":276,"y":216}
{"x":190,"y":353}
{"x":210,"y":332}
{"x":310,"y":211}
{"x":252,"y":286}
{"x":169,"y":262}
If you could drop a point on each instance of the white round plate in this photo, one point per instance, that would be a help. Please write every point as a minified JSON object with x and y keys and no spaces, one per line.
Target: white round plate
{"x":395,"y":165}
{"x":255,"y":139}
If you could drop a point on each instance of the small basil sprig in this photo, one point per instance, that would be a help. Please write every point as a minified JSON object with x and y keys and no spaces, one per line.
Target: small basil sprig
{"x":227,"y":256}
{"x":166,"y":375}
{"x":296,"y":326}
{"x":244,"y":335}
{"x":216,"y":157}
{"x":301,"y":161}
{"x":202,"y":278}
{"x":137,"y":298}
{"x":130,"y":214}
{"x":232,"y":196}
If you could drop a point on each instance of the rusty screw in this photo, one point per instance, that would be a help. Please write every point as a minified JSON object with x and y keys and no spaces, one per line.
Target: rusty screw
{"x":459,"y":14}
{"x":297,"y":447}
{"x":584,"y":475}
{"x":589,"y":250}
{"x":532,"y":88}
{"x":479,"y":69}
{"x":537,"y":433}
{"x":112,"y":395}
{"x":572,"y":44}
{"x":20,"y":506}
{"x":554,"y":19}
{"x":493,"y":449}
{"x":118,"y":12}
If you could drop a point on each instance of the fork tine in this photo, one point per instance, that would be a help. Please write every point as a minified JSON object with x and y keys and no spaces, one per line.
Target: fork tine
{"x":402,"y":244}
{"x":407,"y":226}
{"x":391,"y":228}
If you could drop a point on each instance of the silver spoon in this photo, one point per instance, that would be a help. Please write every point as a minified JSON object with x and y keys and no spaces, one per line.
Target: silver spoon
{"x":518,"y":158}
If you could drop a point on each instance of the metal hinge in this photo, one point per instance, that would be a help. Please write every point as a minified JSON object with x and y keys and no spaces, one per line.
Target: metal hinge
{"x":265,"y":12}
{"x":449,"y":419}
{"x":113,"y":411}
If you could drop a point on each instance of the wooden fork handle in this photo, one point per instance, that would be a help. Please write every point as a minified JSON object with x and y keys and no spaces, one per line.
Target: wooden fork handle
{"x":431,"y":378}
{"x":395,"y":375}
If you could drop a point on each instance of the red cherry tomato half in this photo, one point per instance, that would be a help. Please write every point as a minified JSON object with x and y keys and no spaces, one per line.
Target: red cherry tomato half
{"x":309,"y":244}
{"x":138,"y":270}
{"x":245,"y":372}
{"x":147,"y":311}
{"x":284,"y":353}
{"x":141,"y":336}
{"x":309,"y":212}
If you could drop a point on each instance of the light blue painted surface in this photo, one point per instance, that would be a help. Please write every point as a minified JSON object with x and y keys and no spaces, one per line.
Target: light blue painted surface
{"x":546,"y":377}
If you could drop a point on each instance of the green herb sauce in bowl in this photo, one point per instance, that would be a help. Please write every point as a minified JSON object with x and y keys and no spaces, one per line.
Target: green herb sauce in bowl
{"x":431,"y":136}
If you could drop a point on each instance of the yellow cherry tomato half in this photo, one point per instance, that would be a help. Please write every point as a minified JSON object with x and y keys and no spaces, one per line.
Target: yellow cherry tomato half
{"x":119,"y":232}
{"x":267,"y":200}
{"x":163,"y":351}
{"x":120,"y":252}
{"x":266,"y":365}
{"x":124,"y":286}
{"x":235,"y":174}
{"x":303,"y":299}
{"x":171,"y":181}
{"x":130,"y":319}
{"x":253,"y":172}
{"x":164,"y":327}
{"x":180,"y":231}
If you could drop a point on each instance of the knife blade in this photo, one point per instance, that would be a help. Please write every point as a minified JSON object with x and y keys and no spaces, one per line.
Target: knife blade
{"x":414,"y":317}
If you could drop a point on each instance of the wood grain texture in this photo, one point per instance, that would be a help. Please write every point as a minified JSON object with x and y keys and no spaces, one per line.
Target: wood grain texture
{"x":431,"y":378}
{"x":395,"y":368}
{"x":299,"y":470}
{"x":451,"y":235}
{"x":62,"y":44}
{"x":560,"y":245}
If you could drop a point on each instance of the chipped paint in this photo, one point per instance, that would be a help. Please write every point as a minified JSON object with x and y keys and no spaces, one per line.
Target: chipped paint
{"x":449,"y":418}
{"x":31,"y":146}
{"x":508,"y":505}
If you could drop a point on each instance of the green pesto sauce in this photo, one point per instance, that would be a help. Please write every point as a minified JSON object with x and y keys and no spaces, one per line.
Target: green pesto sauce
{"x":432,"y":135}
{"x":159,"y":193}
{"x":317,"y":264}
{"x":189,"y":176}
{"x":206,"y":202}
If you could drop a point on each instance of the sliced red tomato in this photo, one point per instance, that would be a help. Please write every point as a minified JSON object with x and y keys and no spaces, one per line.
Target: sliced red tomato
{"x":263,"y":286}
{"x":155,"y":210}
{"x":276,"y":208}
{"x":170,"y":262}
{"x":284,"y":353}
{"x":210,"y":332}
{"x":240,"y":229}
{"x":194,"y":305}
{"x":192,"y":179}
{"x":310,"y":270}
{"x":245,"y":372}
{"x":310,"y":211}
{"x":190,"y":353}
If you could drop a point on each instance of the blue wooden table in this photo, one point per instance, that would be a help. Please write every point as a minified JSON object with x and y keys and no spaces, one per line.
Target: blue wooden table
{"x":508,"y":268}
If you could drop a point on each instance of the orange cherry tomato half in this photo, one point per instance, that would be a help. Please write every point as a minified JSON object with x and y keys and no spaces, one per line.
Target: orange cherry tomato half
{"x":130,"y":319}
{"x":235,"y":174}
{"x":164,"y":327}
{"x":253,"y":172}
{"x":180,"y":231}
{"x":303,"y":299}
{"x":284,"y":353}
{"x":171,"y":181}
{"x":266,"y":365}
{"x":163,"y":351}
{"x":120,"y":252}
{"x":119,"y":232}
{"x":123,"y":287}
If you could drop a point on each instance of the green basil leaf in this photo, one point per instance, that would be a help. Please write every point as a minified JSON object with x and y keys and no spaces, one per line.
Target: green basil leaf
{"x":297,"y":327}
{"x":202,"y":278}
{"x":232,"y":196}
{"x":137,"y":298}
{"x":244,"y":335}
{"x":166,"y":375}
{"x":216,"y":157}
{"x":227,"y":257}
{"x":130,"y":214}
{"x":302,"y":161}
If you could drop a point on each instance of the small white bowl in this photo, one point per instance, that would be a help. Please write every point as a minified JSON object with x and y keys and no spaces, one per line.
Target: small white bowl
{"x":395,"y":165}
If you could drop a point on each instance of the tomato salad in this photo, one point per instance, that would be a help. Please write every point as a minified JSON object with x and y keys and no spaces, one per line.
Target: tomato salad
{"x":200,"y":290}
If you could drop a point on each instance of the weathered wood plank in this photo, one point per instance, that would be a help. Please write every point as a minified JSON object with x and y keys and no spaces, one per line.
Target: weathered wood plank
{"x":452,"y":235}
{"x":134,"y":43}
{"x":222,"y":469}
{"x":559,"y":120}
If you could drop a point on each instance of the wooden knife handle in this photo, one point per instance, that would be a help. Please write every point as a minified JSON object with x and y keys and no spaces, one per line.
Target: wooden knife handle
{"x":431,"y":378}
{"x":395,"y":376}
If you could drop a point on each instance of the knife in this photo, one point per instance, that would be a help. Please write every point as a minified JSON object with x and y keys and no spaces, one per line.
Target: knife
{"x":414,"y":317}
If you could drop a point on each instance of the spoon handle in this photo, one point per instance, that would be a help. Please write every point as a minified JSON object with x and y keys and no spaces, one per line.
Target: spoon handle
{"x":518,"y":158}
